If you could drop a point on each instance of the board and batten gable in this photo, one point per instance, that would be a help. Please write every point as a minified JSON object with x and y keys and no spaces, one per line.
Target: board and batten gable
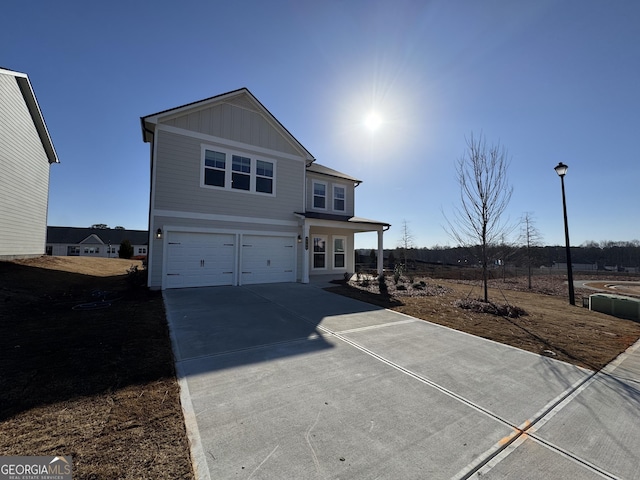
{"x":234,"y":120}
{"x":25,"y":163}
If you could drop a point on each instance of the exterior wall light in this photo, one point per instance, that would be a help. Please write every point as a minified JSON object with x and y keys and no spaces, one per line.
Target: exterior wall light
{"x":159,"y":233}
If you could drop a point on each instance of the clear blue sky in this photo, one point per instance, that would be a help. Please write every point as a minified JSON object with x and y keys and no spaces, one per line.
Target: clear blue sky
{"x":550,"y":80}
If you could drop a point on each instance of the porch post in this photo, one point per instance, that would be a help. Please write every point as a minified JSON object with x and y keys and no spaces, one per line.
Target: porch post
{"x":306,"y":253}
{"x":380,"y":253}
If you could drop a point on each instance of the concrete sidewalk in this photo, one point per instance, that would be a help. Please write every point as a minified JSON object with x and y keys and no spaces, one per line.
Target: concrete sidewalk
{"x":287,"y":381}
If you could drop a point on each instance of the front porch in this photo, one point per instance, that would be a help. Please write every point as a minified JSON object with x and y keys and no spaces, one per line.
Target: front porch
{"x":329,"y":247}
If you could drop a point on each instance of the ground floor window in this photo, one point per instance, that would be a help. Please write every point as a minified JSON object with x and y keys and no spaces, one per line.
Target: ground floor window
{"x":339,"y":252}
{"x":319,"y":252}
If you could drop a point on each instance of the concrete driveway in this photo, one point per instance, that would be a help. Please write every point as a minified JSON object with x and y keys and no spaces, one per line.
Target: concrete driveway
{"x":287,"y":381}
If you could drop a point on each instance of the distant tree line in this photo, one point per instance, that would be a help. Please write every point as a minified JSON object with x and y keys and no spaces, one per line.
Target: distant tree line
{"x":609,"y":254}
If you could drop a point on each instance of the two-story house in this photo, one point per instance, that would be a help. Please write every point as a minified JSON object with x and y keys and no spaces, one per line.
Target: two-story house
{"x":236,"y":199}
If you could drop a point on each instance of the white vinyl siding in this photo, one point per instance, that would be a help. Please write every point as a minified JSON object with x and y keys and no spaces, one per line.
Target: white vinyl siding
{"x":24,"y":182}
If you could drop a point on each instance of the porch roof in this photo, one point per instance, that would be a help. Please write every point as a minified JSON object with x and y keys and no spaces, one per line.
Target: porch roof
{"x":344,"y":221}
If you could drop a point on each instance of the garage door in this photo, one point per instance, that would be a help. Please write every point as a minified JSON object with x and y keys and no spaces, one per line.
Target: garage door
{"x":267,"y":259}
{"x":199,"y":259}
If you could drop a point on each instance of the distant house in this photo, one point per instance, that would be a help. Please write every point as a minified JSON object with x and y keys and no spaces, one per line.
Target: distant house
{"x":26,"y":152}
{"x":94,"y":242}
{"x":237,"y":200}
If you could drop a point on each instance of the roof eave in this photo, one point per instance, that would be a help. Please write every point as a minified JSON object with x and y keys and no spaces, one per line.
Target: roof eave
{"x":36,"y":114}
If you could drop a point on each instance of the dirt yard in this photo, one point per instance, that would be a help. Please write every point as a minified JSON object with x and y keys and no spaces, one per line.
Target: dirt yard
{"x":551,"y":326}
{"x":94,"y":383}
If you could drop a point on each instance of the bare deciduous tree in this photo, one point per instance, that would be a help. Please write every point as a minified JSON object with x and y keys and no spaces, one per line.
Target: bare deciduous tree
{"x":484,"y":195}
{"x":406,"y":242}
{"x":530,"y":237}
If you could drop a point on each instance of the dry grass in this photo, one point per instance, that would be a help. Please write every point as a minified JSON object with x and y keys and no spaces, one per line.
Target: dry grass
{"x":551,"y":327}
{"x":98,"y":385}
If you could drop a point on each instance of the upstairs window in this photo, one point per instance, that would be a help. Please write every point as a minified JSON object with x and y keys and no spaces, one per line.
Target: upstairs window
{"x":319,"y":195}
{"x":214,"y":168}
{"x":231,"y":170}
{"x":241,"y":173}
{"x":264,"y":176}
{"x":339,"y":195}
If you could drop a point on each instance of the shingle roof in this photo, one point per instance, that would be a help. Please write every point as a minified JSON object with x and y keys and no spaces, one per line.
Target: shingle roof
{"x":75,"y":235}
{"x":322,"y":170}
{"x":341,"y":218}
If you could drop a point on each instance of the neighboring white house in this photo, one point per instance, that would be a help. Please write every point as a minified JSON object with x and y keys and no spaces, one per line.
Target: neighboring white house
{"x":236,"y":199}
{"x":26,"y":152}
{"x":94,"y":242}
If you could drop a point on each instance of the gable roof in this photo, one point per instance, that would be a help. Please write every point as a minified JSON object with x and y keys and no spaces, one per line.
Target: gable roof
{"x":34,"y":109}
{"x":322,"y":170}
{"x":77,"y":236}
{"x":149,"y":122}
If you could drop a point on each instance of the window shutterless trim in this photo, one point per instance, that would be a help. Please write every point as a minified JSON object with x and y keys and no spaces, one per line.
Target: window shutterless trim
{"x":313,"y":194}
{"x":247,"y":167}
{"x":336,"y":186}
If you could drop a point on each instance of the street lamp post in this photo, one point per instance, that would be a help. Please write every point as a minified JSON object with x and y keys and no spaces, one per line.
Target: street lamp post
{"x":561,"y":170}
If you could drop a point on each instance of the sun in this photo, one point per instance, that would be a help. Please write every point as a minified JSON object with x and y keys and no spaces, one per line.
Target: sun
{"x":373,"y":121}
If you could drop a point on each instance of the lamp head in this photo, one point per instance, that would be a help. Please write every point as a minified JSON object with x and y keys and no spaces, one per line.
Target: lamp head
{"x":561,"y":169}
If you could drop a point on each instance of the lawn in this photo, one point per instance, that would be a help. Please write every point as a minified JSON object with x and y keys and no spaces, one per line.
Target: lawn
{"x":94,"y":383}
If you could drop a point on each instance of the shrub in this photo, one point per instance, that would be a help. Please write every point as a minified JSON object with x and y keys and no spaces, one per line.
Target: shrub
{"x":126,"y":249}
{"x":418,"y":286}
{"x":137,"y":277}
{"x":382,"y":284}
{"x":397,"y":273}
{"x":480,"y":306}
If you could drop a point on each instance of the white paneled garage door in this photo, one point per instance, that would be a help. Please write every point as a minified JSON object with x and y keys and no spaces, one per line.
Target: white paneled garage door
{"x":211,"y":259}
{"x":267,"y":259}
{"x":199,"y":259}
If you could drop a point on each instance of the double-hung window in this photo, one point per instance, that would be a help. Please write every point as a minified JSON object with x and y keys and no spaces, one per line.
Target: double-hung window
{"x":214,"y":168}
{"x":319,"y":195}
{"x":241,"y":173}
{"x":339,"y":252}
{"x":339,"y":197}
{"x":235,"y":171}
{"x":319,"y":252}
{"x":264,"y":176}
